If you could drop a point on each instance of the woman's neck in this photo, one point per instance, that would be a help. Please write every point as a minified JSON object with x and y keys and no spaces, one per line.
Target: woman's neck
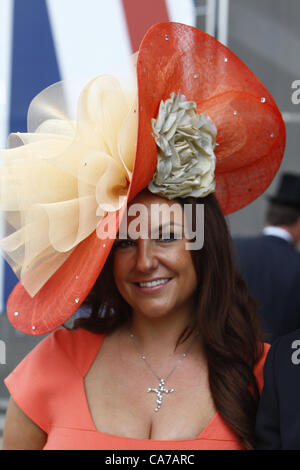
{"x":160,"y":336}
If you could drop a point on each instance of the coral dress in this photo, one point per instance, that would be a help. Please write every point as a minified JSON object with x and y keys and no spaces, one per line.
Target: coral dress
{"x":48,"y":385}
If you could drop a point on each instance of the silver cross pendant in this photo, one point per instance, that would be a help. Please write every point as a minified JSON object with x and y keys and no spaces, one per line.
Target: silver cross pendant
{"x":159,"y":391}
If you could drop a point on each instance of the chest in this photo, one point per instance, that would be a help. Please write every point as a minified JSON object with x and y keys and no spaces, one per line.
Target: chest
{"x":123,"y":395}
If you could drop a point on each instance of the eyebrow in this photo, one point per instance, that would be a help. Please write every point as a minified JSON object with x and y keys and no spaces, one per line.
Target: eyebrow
{"x":160,"y":228}
{"x":169,"y":224}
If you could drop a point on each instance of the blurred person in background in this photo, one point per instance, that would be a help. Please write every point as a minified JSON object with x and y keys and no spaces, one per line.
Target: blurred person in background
{"x":270,"y":262}
{"x":277,"y":422}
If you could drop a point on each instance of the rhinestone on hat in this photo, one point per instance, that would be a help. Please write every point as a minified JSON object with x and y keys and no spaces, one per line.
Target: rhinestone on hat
{"x":225,"y":59}
{"x":33,"y":327}
{"x":195,"y":75}
{"x":77,"y":300}
{"x":263,"y":99}
{"x":166,"y":37}
{"x":16,"y":314}
{"x":235,"y":113}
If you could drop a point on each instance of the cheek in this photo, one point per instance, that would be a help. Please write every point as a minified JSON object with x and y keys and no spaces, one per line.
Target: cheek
{"x":118,"y":269}
{"x":187,"y":270}
{"x":120,"y":273}
{"x":121,"y":267}
{"x":121,"y":263}
{"x":191,"y":277}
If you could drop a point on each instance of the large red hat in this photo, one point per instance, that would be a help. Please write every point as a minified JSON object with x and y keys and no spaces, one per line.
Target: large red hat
{"x":173,"y":58}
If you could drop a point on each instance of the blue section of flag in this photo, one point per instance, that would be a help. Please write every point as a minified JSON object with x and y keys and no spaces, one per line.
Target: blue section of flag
{"x":34,"y":67}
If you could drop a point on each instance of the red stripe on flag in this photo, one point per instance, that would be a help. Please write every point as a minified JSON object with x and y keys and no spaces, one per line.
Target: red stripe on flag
{"x":140,"y":15}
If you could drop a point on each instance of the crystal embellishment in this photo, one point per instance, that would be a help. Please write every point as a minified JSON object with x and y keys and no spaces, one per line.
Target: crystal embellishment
{"x":159,"y":392}
{"x":161,"y":387}
{"x":263,"y":99}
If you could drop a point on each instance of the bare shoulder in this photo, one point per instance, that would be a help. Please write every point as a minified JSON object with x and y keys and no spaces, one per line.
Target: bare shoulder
{"x":20,"y":432}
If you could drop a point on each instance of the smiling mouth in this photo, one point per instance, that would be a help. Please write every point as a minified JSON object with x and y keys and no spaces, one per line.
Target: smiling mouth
{"x":151,"y":284}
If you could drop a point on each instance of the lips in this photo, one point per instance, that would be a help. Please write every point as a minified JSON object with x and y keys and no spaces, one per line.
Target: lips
{"x":152,"y":285}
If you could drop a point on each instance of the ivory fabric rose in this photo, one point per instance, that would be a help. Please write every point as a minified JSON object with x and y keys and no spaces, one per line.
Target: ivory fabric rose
{"x":185,"y":157}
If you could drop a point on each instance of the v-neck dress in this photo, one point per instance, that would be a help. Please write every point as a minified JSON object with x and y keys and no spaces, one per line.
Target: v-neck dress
{"x":48,"y":385}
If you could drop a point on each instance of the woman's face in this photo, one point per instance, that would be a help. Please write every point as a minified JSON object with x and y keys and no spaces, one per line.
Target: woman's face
{"x":155,"y":276}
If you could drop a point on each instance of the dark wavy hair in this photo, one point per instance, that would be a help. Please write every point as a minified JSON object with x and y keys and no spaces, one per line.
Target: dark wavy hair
{"x":226,"y":317}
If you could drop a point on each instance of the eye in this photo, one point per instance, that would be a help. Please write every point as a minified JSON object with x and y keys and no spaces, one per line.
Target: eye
{"x":167,"y":237}
{"x":124,"y":243}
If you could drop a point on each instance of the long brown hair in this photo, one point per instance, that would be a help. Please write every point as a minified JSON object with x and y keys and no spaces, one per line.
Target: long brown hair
{"x":226,"y":317}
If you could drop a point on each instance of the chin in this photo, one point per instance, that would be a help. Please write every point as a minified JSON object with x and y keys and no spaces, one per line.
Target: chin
{"x":152,"y":312}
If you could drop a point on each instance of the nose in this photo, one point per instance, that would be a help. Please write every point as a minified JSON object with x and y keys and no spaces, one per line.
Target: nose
{"x":146,"y":260}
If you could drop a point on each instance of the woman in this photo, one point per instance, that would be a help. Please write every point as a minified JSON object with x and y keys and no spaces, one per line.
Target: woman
{"x":173,"y":356}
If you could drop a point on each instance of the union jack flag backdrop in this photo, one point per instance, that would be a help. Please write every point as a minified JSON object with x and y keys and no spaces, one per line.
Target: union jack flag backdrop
{"x":44,"y":41}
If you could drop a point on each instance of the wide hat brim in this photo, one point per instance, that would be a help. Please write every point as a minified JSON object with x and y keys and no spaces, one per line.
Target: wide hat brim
{"x":251,"y":138}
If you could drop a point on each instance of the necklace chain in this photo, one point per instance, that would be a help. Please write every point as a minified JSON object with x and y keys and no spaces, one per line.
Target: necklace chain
{"x":161,"y":388}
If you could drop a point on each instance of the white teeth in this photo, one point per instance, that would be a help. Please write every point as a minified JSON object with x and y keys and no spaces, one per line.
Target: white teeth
{"x":153,"y":283}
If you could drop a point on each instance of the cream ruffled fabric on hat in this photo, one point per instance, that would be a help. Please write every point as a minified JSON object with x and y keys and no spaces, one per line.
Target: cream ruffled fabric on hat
{"x":58,"y":183}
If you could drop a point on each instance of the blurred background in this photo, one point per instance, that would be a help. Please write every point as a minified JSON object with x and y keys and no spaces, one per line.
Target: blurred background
{"x":44,"y":41}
